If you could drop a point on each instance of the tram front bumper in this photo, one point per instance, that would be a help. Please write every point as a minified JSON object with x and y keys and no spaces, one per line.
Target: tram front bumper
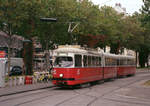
{"x":63,"y":79}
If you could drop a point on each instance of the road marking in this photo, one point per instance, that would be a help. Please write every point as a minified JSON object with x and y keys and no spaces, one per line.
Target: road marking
{"x":132,"y":97}
{"x":129,"y":97}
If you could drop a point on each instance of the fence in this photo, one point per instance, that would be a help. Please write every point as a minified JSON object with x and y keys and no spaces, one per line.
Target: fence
{"x":38,"y":77}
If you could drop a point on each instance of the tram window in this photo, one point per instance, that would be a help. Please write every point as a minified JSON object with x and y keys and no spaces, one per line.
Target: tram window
{"x":118,"y":62}
{"x":99,"y":61}
{"x":89,"y":60}
{"x":126,"y":62}
{"x":121,"y":62}
{"x":85,"y":61}
{"x":93,"y":61}
{"x":78,"y":61}
{"x":107,"y":61}
{"x":63,"y":61}
{"x":92,"y":64}
{"x":134,"y":62}
{"x":110,"y":61}
{"x":129,"y":62}
{"x":114,"y":62}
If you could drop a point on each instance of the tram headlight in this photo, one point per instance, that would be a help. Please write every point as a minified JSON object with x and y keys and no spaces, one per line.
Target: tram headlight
{"x":61,"y":75}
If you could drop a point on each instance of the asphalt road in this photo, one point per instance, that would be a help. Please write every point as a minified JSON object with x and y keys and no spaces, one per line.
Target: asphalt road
{"x":128,"y":91}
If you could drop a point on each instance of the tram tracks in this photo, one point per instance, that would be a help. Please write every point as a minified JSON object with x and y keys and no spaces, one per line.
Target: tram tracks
{"x":42,"y":97}
{"x":36,"y":99}
{"x":110,"y":92}
{"x":78,"y":92}
{"x":95,"y":98}
{"x":26,"y":95}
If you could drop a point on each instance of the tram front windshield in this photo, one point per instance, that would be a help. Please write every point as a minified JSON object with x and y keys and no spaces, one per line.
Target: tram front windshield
{"x":63,"y":61}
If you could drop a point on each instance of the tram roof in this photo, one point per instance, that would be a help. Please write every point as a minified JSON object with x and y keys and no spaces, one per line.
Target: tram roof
{"x":127,"y":57}
{"x":110,"y":55}
{"x":76,"y":49}
{"x":118,"y":56}
{"x":87,"y":51}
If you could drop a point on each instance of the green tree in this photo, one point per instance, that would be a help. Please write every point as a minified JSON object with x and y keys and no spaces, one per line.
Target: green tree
{"x":145,"y":20}
{"x":20,"y":17}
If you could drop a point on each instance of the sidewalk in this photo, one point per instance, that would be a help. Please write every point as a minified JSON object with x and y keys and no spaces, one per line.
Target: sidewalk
{"x":23,"y":88}
{"x":143,"y":70}
{"x":139,"y":91}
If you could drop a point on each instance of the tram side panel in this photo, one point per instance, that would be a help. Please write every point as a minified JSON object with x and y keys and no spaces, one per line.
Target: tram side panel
{"x":121,"y":71}
{"x":84,"y":75}
{"x":93,"y":74}
{"x":110,"y":72}
{"x":126,"y":70}
{"x":132,"y":70}
{"x":75,"y":76}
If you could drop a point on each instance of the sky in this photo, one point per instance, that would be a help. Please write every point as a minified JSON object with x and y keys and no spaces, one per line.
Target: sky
{"x":130,"y":5}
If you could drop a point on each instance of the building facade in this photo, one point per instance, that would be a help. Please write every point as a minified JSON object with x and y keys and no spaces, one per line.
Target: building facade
{"x":16,"y":44}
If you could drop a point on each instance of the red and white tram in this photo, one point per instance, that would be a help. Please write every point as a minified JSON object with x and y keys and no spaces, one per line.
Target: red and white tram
{"x":74,"y":65}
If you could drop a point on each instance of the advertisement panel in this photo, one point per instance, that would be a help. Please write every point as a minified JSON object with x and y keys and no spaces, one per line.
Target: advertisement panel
{"x":2,"y":54}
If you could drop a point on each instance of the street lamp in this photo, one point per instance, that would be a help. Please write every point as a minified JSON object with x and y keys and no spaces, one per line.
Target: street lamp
{"x":47,"y":51}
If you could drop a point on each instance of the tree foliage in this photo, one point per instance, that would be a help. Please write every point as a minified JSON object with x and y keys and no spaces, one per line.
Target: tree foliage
{"x":144,"y":50}
{"x":97,"y":26}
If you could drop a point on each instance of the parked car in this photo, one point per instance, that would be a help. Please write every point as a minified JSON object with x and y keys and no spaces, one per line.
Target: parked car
{"x":16,"y":63}
{"x":16,"y":70}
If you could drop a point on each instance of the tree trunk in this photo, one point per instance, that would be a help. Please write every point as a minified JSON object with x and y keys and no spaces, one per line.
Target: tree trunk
{"x":137,"y":59}
{"x":142,"y":59}
{"x":9,"y":60}
{"x":9,"y":48}
{"x":47,"y":57}
{"x":28,"y":57}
